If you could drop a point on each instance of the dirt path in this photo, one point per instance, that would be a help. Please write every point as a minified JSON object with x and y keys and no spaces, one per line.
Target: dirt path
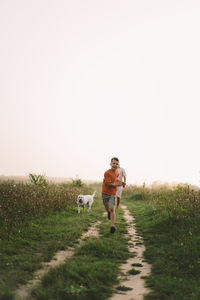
{"x":23,"y":292}
{"x":133,"y":281}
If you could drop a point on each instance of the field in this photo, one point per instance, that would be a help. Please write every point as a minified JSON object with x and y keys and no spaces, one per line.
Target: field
{"x":38,"y":219}
{"x":169,"y":221}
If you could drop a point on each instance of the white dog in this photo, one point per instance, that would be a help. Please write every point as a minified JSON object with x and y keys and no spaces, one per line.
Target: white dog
{"x":85,"y":200}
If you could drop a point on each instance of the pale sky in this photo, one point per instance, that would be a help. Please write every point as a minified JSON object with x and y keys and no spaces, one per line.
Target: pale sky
{"x":85,"y":80}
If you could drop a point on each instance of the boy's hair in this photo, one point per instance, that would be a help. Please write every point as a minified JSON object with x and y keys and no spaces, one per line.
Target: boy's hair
{"x":115,"y":158}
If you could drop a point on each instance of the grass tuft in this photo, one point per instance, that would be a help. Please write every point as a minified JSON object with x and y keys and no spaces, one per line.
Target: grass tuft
{"x":134,"y":271}
{"x":136,"y":265}
{"x":123,"y":288}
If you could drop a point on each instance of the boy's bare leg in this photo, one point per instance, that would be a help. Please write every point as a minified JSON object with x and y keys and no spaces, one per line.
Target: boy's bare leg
{"x":112,"y":216}
{"x":118,"y":201}
{"x":108,"y":211}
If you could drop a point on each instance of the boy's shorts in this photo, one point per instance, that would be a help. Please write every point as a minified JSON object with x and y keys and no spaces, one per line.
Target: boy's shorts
{"x":119,"y":191}
{"x":108,"y":200}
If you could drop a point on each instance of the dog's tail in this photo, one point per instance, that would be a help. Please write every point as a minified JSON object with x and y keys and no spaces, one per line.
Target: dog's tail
{"x":94,"y":194}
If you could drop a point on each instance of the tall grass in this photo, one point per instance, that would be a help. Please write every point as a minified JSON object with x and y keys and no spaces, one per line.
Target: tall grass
{"x":176,"y":202}
{"x":23,"y":201}
{"x":169,"y":220}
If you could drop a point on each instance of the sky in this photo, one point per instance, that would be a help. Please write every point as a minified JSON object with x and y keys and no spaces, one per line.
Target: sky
{"x":83,"y":81}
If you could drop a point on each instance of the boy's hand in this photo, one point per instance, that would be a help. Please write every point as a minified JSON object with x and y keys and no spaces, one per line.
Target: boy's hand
{"x":119,"y":183}
{"x":124,"y":184}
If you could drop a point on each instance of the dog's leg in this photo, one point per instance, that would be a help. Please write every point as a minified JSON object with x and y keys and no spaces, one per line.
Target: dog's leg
{"x":78,"y":209}
{"x":89,"y":207}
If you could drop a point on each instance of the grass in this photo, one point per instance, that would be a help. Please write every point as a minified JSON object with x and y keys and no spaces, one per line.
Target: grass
{"x":136,"y":265}
{"x":170,"y":229}
{"x":134,"y":271}
{"x":92,"y":271}
{"x":172,"y":247}
{"x":123,"y":288}
{"x":37,"y":241}
{"x":22,"y":202}
{"x":90,"y":274}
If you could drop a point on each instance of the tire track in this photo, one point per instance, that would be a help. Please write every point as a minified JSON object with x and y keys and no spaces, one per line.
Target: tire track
{"x":23,"y":292}
{"x":135,"y":282}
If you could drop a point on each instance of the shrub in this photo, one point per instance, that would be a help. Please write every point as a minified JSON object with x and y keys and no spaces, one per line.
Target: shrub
{"x":38,"y":179}
{"x":77,"y":183}
{"x":175,"y":202}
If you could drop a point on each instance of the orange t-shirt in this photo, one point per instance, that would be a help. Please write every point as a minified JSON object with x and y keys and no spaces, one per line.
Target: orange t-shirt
{"x":111,"y":177}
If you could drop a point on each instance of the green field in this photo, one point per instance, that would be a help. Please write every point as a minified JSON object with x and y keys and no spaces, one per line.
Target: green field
{"x":37,"y":221}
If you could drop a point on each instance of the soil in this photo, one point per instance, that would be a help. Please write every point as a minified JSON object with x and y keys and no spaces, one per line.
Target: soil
{"x":136,"y":282}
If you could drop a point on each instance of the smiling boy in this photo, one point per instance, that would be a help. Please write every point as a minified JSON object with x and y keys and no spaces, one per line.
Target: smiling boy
{"x":109,"y":189}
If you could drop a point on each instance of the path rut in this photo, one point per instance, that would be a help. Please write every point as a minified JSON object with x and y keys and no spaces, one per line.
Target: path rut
{"x":136,"y":282}
{"x":23,"y":292}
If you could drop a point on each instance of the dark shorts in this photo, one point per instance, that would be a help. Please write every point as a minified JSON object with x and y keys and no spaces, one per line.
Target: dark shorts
{"x":108,"y":200}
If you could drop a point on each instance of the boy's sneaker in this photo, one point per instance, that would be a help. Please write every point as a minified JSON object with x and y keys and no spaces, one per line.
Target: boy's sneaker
{"x":112,"y":229}
{"x":108,"y":215}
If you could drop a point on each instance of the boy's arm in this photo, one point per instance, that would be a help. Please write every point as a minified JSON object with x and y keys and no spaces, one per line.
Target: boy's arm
{"x":124,"y":183}
{"x":109,"y":184}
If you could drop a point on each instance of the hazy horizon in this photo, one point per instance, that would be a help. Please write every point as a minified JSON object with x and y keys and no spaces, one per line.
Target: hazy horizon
{"x":83,"y":81}
{"x":26,"y":178}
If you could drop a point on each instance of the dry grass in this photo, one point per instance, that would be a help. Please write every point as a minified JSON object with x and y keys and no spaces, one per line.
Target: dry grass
{"x":23,"y":201}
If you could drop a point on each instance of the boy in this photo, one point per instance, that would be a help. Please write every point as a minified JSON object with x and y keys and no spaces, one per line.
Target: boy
{"x":109,"y":189}
{"x":122,"y":174}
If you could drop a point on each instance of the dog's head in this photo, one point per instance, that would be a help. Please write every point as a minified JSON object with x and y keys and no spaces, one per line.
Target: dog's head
{"x":80,"y":199}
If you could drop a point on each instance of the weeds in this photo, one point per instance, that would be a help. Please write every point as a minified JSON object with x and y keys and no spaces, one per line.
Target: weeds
{"x":92,"y":271}
{"x":123,"y":288}
{"x":178,"y":202}
{"x":136,"y":265}
{"x":134,"y":271}
{"x":38,"y":179}
{"x":20,"y":202}
{"x":37,"y":241}
{"x":172,"y":245}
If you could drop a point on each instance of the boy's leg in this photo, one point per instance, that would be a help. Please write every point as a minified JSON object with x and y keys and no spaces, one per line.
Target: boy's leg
{"x":109,"y":203}
{"x":112,"y":216}
{"x":108,"y":211}
{"x":118,"y":201}
{"x":112,"y":213}
{"x":107,"y":208}
{"x":119,"y":192}
{"x":105,"y":199}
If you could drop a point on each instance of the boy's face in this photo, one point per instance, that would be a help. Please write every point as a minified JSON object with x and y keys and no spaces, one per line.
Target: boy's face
{"x":114,"y":164}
